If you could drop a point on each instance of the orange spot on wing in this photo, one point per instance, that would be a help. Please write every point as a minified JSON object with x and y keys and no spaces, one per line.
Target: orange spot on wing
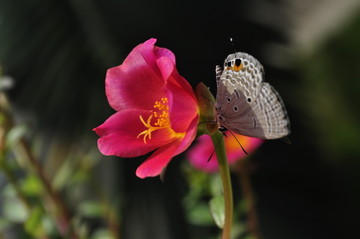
{"x":235,"y":68}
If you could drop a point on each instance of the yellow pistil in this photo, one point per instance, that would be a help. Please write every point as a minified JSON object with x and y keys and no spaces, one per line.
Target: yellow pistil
{"x":161,"y":114}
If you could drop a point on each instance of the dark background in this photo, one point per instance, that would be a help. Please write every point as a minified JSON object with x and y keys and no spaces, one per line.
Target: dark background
{"x":58,"y":52}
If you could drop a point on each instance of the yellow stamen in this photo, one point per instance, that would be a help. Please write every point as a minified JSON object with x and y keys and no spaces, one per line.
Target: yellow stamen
{"x":161,"y":114}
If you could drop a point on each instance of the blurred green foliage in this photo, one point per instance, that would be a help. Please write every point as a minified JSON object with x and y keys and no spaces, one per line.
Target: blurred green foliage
{"x":331,"y":83}
{"x":40,"y":203}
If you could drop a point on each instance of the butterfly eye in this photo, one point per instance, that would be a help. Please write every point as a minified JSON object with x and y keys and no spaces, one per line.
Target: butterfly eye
{"x":237,"y":62}
{"x":229,"y":64}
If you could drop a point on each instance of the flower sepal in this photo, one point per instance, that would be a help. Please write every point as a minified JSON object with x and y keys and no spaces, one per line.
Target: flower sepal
{"x":206,"y":101}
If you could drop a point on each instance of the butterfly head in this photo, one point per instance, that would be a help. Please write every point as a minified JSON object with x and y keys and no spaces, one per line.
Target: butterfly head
{"x":241,"y":61}
{"x":234,"y":64}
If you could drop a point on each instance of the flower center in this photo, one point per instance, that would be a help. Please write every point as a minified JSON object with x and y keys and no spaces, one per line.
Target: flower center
{"x":162,"y":121}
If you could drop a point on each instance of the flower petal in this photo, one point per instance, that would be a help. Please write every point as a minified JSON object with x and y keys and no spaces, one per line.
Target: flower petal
{"x":199,"y":154}
{"x":128,"y":85}
{"x":157,"y":161}
{"x":234,"y":150}
{"x":183,"y":106}
{"x":183,"y":103}
{"x":166,"y":67}
{"x":154,"y":165}
{"x":119,"y":135}
{"x":151,"y":53}
{"x":189,"y":136}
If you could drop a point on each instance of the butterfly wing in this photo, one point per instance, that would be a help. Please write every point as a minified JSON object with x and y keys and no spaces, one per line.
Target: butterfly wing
{"x":265,"y":118}
{"x":248,"y":106}
{"x":270,"y":113}
{"x":238,"y":83}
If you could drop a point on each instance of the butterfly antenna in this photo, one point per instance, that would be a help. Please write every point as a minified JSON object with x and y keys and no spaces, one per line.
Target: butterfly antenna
{"x":232,"y":44}
{"x":286,"y":140}
{"x":212,"y":154}
{"x":238,"y":142}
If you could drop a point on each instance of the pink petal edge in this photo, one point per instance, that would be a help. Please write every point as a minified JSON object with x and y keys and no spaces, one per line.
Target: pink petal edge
{"x":135,"y":77}
{"x":166,"y":67}
{"x":154,"y":165}
{"x":157,"y":161}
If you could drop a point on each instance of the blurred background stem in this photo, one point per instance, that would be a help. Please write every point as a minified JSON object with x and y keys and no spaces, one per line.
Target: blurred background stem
{"x":13,"y":181}
{"x":243,"y":171}
{"x":23,"y":153}
{"x":60,"y":210}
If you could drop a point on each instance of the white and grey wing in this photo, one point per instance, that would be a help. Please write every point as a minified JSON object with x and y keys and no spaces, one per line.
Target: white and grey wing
{"x":271,"y":113}
{"x":265,"y":118}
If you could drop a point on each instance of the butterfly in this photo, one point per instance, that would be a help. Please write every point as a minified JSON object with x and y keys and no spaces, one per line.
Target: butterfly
{"x":245,"y":104}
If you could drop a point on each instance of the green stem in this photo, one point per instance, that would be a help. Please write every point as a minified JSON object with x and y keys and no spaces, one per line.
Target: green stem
{"x":218,"y":141}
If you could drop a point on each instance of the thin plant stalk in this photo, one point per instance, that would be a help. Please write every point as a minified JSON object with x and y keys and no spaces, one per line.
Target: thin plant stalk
{"x":224,"y":170}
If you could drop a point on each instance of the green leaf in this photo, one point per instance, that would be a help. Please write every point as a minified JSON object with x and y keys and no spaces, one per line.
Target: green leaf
{"x":32,"y":186}
{"x":102,"y":234}
{"x":63,"y":175}
{"x":217,"y":209}
{"x":216,"y":186}
{"x":14,"y":210}
{"x":33,"y":222}
{"x":90,"y":209}
{"x":15,"y":134}
{"x":239,"y":230}
{"x":199,"y":215}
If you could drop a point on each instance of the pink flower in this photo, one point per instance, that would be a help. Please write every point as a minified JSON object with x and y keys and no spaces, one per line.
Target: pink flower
{"x":200,"y":152}
{"x":156,"y":109}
